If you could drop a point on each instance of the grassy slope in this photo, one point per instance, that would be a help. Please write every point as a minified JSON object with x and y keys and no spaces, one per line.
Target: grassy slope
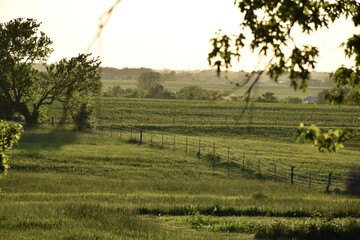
{"x":67,"y":185}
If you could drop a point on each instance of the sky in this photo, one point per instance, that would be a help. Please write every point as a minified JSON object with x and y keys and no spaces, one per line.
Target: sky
{"x":158,"y":34}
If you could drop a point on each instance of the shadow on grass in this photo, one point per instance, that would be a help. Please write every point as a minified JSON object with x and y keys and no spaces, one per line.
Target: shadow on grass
{"x":43,"y":138}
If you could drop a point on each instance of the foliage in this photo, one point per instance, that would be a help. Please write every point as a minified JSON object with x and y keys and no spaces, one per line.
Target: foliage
{"x":114,"y":91}
{"x":9,"y":135}
{"x":331,"y":141}
{"x":321,"y":96}
{"x":197,"y":93}
{"x":81,"y":114}
{"x":21,"y":87}
{"x":268,"y":97}
{"x":73,"y":81}
{"x":271,"y":24}
{"x":294,"y":100}
{"x":158,"y":91}
{"x":26,"y":91}
{"x":148,"y":80}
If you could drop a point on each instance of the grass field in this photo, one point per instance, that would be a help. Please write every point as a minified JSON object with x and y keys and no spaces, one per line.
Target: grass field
{"x":69,"y":185}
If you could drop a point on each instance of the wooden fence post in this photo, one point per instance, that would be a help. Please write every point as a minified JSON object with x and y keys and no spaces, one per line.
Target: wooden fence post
{"x":292,"y":175}
{"x":151,"y":138}
{"x":243,"y":160}
{"x":228,"y":156}
{"x":259,"y":166}
{"x":199,"y":152}
{"x":214,"y":149}
{"x":275,"y":171}
{"x":310,"y":179}
{"x":162,"y":140}
{"x":111,"y":129}
{"x":174,"y":143}
{"x":328,"y":183}
{"x":141,"y":135}
{"x":131,"y":133}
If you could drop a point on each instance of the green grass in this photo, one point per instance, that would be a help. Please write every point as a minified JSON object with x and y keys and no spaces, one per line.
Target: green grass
{"x":68,"y":185}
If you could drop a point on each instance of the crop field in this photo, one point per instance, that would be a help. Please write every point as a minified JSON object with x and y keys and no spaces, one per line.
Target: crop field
{"x":123,"y":111}
{"x":281,"y":91}
{"x":68,"y":185}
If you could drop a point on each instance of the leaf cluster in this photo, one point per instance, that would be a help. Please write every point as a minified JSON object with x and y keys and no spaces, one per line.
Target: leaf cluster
{"x":9,"y":135}
{"x":271,"y":23}
{"x":330,"y":141}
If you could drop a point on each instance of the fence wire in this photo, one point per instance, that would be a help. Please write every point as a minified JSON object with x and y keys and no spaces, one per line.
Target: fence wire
{"x":220,"y":154}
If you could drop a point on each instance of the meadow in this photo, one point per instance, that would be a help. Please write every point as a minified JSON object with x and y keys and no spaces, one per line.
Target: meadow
{"x":68,"y":185}
{"x":104,"y":185}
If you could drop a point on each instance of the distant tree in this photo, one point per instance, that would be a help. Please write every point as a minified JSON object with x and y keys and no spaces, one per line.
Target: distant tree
{"x":294,"y":100}
{"x":26,"y":91}
{"x":114,"y":91}
{"x":9,"y":135}
{"x":192,"y":93}
{"x":158,"y":91}
{"x":271,"y":25}
{"x":169,"y":76}
{"x":268,"y":97}
{"x":147,"y":80}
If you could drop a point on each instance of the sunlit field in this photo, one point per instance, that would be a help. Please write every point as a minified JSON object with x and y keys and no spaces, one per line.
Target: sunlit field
{"x":69,"y":185}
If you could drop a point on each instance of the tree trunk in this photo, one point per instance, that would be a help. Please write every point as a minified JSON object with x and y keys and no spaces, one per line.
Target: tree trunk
{"x":31,"y":118}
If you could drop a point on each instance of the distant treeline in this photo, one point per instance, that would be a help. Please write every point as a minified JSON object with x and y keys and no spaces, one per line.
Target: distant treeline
{"x":109,"y":73}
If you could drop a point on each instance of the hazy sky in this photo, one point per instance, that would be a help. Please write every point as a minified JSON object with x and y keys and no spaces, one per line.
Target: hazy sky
{"x":158,"y":34}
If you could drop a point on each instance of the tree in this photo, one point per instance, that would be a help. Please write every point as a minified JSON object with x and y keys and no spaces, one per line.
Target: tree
{"x":148,"y":80}
{"x":21,"y":45}
{"x":158,"y":91}
{"x":9,"y":135}
{"x":72,"y":82}
{"x":26,"y":91}
{"x":271,"y":25}
{"x":192,"y":93}
{"x":294,"y":100}
{"x":268,"y":97}
{"x":114,"y":91}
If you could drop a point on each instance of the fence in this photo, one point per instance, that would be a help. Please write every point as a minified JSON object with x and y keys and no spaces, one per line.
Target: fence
{"x":232,"y":158}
